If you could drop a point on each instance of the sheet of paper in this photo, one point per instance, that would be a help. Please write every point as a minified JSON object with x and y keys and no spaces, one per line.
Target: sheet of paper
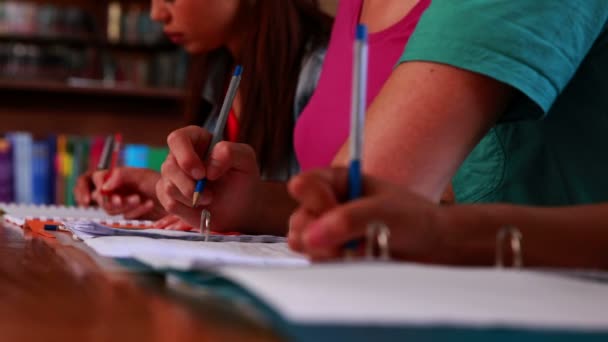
{"x":18,"y":213}
{"x":89,"y":229}
{"x":402,"y":294}
{"x":188,"y":255}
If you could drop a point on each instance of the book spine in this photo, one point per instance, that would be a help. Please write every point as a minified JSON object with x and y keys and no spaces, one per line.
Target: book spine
{"x":6,"y":172}
{"x":40,"y":169}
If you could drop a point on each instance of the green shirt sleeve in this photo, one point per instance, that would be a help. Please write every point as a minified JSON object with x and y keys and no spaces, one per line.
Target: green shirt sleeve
{"x":536,"y":46}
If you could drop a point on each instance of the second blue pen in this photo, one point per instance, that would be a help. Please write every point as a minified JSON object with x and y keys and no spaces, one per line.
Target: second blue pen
{"x":357,"y":119}
{"x":220,"y":126}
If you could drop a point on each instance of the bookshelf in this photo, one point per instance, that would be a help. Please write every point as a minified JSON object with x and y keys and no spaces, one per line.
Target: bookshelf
{"x":89,"y":67}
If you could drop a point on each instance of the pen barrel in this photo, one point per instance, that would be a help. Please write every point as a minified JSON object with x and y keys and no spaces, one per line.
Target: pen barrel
{"x":200,"y":185}
{"x":359,"y":93}
{"x":220,"y":126}
{"x":106,"y":153}
{"x":355,"y":183}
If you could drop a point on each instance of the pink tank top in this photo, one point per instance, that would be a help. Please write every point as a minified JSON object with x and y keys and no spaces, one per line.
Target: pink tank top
{"x":323,"y":126}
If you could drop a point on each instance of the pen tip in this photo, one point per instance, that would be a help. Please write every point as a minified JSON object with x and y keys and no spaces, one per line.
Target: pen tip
{"x":195,"y":199}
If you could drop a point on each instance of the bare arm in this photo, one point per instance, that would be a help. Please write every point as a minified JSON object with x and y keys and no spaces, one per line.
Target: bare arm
{"x":424,"y":123}
{"x":574,"y":236}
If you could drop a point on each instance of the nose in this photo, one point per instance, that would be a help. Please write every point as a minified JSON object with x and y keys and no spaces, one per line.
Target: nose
{"x":159,"y":11}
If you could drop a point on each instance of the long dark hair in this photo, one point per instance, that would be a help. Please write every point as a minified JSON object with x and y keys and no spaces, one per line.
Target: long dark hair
{"x":280,"y":34}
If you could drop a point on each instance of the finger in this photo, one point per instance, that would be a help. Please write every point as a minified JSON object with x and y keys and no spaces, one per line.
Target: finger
{"x":337,"y":180}
{"x":312,"y":192}
{"x":166,"y":221}
{"x":82,"y":190}
{"x":113,"y":204}
{"x":298,"y":221}
{"x":181,"y":226}
{"x":173,"y":206}
{"x":343,"y":224}
{"x":119,"y":178}
{"x":139,"y":211}
{"x":189,"y":146}
{"x":231,"y":156}
{"x":178,"y":184}
{"x":98,"y":178}
{"x":98,"y":197}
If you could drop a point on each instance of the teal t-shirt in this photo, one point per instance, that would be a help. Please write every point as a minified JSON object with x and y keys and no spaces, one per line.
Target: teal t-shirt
{"x":551,"y":146}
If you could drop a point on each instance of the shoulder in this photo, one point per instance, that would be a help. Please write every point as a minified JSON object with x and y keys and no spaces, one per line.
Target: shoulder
{"x":520,"y":43}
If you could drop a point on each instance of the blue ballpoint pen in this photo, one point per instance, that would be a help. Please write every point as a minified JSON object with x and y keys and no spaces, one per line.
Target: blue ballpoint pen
{"x":220,"y":125}
{"x":358,"y":107}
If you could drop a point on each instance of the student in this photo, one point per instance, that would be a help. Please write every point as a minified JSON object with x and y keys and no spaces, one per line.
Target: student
{"x":281,"y":46}
{"x":423,"y":231}
{"x":483,"y":70}
{"x":238,"y":198}
{"x":479,"y":65}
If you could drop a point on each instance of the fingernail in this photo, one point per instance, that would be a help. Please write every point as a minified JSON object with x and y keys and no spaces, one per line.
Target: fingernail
{"x":133,"y":200}
{"x":198,"y":174}
{"x":116,"y":201}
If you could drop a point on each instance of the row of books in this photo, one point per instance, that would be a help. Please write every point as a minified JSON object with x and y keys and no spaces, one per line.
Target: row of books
{"x":126,"y":23}
{"x":45,"y":171}
{"x":132,"y":25}
{"x":28,"y":18}
{"x":167,"y":69}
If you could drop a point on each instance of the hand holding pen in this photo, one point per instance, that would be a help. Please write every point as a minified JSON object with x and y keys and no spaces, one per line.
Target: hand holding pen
{"x":227,"y":174}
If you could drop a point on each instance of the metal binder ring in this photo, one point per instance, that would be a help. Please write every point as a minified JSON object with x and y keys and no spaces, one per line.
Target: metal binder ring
{"x":515,"y":238}
{"x":378,"y":238}
{"x":205,"y":223}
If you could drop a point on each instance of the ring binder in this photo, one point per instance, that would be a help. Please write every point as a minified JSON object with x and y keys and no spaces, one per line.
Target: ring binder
{"x":378,"y":238}
{"x":205,"y":223}
{"x":515,"y":238}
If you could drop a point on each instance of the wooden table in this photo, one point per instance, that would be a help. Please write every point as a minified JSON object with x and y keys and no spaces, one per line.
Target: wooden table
{"x":55,"y":292}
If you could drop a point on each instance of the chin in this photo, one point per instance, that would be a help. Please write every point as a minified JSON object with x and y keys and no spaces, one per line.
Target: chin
{"x":195,"y":49}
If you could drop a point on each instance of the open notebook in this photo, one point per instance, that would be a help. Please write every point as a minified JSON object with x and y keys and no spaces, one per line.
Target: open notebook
{"x":18,"y":214}
{"x":403,"y":294}
{"x":158,"y":248}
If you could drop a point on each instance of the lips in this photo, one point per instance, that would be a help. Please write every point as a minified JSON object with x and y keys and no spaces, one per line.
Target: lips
{"x":176,"y":38}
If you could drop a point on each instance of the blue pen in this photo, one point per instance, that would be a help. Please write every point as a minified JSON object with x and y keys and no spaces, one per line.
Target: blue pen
{"x":357,"y":120}
{"x":220,"y":125}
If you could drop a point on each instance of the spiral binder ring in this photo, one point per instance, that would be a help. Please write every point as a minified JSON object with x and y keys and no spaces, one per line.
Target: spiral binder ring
{"x":378,"y":239}
{"x":515,"y":237}
{"x":206,"y":223}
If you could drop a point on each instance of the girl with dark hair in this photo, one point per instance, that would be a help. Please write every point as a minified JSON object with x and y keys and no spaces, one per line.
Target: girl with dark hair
{"x":280,"y":44}
{"x":238,"y":198}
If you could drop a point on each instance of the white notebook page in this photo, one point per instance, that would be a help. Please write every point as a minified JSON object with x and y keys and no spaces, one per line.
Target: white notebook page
{"x":188,"y":255}
{"x":402,"y":294}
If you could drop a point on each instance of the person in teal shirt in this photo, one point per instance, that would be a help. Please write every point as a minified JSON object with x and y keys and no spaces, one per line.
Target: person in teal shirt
{"x":509,"y":100}
{"x":548,"y":147}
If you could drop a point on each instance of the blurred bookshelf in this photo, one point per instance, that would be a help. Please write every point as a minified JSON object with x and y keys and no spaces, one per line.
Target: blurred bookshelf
{"x":89,"y":67}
